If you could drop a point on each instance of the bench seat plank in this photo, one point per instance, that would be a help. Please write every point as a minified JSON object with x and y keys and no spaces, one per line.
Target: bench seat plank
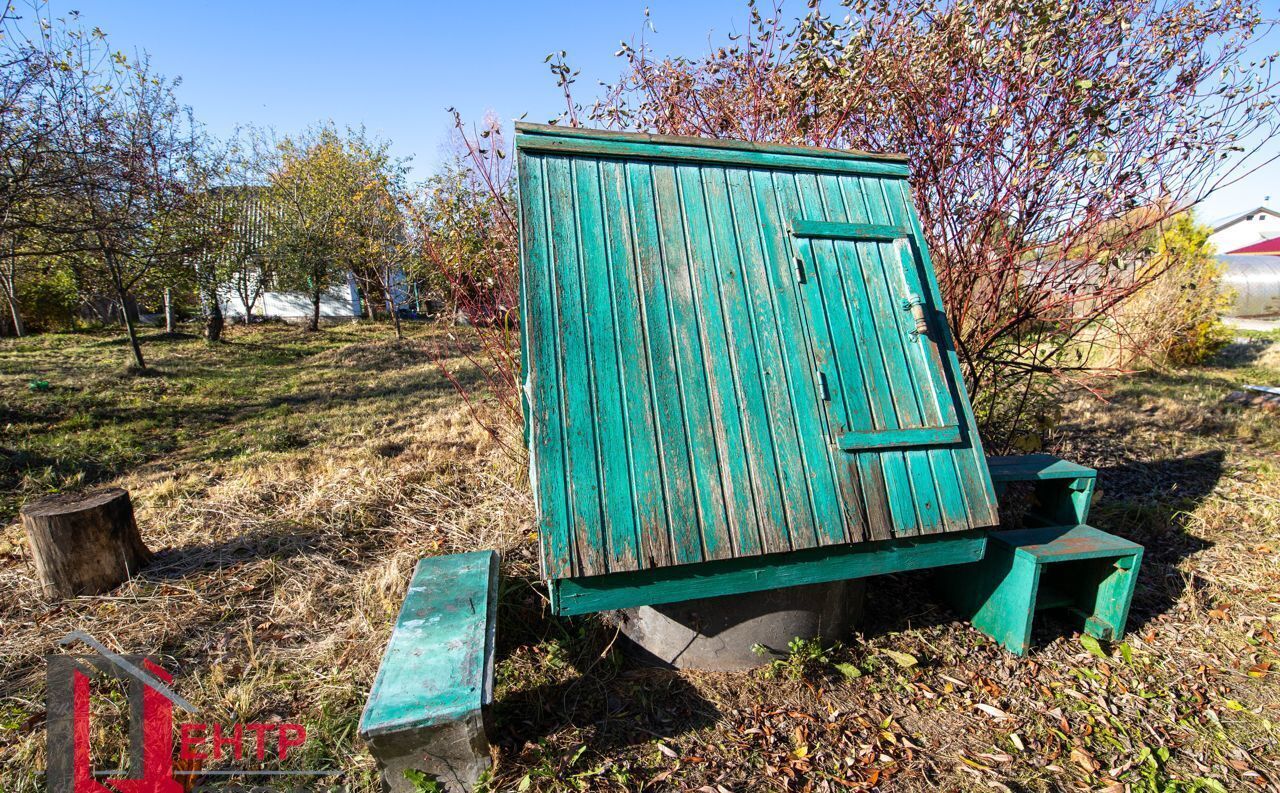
{"x":1035,"y":467}
{"x":438,"y":664}
{"x":1065,"y":543}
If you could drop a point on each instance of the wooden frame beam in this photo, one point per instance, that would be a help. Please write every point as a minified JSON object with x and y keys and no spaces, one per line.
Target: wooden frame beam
{"x":758,"y":573}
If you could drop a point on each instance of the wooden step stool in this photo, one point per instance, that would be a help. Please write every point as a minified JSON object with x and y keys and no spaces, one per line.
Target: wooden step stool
{"x":1063,"y":490}
{"x":426,"y":711}
{"x":1086,"y":571}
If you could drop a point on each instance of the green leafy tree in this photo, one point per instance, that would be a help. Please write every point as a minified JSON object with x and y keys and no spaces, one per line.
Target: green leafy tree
{"x":305,"y":188}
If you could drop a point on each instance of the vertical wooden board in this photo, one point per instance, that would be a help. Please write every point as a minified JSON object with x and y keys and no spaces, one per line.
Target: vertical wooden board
{"x":742,"y":353}
{"x":979,"y":495}
{"x":859,"y":479}
{"x":889,"y":464}
{"x":604,"y":371}
{"x":705,"y":481}
{"x":664,"y":379}
{"x":579,"y":412}
{"x":937,"y":408}
{"x":717,"y":336}
{"x":844,"y":367}
{"x":546,"y":450}
{"x":631,"y":320}
{"x":890,"y":326}
{"x":776,"y":412}
{"x":835,"y":520}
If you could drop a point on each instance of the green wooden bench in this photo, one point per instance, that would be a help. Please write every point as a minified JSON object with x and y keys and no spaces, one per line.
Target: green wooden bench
{"x":1059,"y":562}
{"x":1088,"y":572}
{"x":426,"y":710}
{"x":1063,"y":491}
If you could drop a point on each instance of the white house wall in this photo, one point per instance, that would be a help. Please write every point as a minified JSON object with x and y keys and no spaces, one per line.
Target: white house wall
{"x":1263,"y":226}
{"x":338,"y":302}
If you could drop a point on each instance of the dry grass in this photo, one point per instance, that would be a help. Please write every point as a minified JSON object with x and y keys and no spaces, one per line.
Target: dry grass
{"x":293,"y":516}
{"x":286,"y":532}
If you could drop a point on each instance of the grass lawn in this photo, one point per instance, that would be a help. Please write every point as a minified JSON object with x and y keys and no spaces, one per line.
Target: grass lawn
{"x":290,"y":480}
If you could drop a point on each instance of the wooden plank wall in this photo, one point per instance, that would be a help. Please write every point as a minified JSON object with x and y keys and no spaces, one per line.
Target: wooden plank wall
{"x":673,"y":411}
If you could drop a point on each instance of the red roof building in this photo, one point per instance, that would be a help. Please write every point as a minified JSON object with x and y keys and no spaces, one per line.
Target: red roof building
{"x":1271,"y":246}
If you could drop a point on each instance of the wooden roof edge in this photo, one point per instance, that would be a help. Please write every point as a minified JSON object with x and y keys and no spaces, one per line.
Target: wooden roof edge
{"x":583,"y":133}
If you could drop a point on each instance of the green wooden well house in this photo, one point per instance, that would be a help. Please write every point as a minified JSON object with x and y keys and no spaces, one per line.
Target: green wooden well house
{"x":738,"y":375}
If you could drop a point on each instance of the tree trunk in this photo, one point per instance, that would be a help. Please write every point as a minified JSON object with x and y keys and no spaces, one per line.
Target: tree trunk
{"x":315,"y":310}
{"x":391,"y":303}
{"x":132,"y":333}
{"x":84,"y":544}
{"x":170,"y":319}
{"x":19,"y":329}
{"x":213,"y":322}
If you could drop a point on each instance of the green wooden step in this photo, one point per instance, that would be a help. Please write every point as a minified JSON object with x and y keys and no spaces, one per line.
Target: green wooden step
{"x":1063,"y":491}
{"x":1090,"y":572}
{"x":1035,"y":467}
{"x":1065,"y":543}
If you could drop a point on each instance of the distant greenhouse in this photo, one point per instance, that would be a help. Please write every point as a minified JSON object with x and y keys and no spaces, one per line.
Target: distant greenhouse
{"x":1255,"y":279}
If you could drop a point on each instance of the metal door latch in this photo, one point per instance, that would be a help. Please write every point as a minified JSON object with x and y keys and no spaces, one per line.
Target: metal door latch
{"x":915,"y":305}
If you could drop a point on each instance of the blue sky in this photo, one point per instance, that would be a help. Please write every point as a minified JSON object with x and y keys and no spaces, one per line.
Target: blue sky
{"x":396,"y":67}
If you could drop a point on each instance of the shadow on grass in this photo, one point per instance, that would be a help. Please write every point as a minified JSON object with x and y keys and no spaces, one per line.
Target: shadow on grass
{"x":614,"y":700}
{"x":1240,"y":354}
{"x":154,"y":337}
{"x":1143,"y":502}
{"x":280,"y":543}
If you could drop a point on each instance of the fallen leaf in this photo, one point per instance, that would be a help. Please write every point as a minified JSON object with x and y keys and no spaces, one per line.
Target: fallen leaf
{"x":1092,"y":645}
{"x":1083,"y":759}
{"x":905,"y":660}
{"x":992,"y":710}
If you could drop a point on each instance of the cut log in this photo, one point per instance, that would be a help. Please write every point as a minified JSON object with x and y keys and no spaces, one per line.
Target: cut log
{"x":85,"y":543}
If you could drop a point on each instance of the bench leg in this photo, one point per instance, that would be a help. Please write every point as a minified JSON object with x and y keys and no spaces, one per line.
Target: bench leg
{"x":455,"y":754}
{"x":1114,"y":594}
{"x":997,"y":595}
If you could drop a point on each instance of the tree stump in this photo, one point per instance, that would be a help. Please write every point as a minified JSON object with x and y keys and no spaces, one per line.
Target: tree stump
{"x":85,"y":543}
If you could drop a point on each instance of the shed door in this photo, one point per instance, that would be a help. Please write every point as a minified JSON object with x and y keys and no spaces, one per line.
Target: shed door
{"x":875,"y":333}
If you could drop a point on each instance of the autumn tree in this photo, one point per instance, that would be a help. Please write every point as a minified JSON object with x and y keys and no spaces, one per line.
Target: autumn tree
{"x":129,"y":159}
{"x":375,"y":240}
{"x":1027,"y":124}
{"x":30,"y":88}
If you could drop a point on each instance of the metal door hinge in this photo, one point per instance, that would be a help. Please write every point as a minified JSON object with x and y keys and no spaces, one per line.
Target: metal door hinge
{"x":824,"y":393}
{"x":800,"y":269}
